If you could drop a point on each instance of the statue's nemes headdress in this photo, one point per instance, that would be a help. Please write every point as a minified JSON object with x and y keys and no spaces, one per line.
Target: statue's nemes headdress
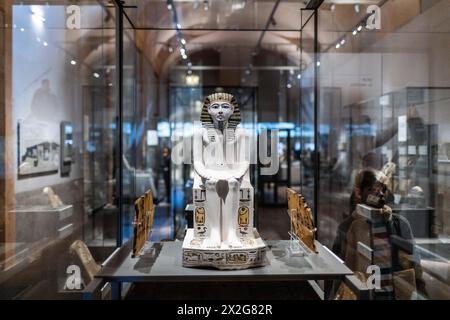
{"x":235,"y":118}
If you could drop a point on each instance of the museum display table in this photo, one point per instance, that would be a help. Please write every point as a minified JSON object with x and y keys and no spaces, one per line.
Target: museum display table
{"x":164,"y":264}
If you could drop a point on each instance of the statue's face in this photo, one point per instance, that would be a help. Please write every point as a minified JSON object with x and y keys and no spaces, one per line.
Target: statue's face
{"x":220,"y":111}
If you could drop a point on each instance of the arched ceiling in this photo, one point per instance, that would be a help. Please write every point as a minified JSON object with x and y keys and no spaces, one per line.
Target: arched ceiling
{"x":219,"y":26}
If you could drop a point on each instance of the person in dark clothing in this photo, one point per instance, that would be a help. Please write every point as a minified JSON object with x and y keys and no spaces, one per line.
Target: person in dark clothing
{"x":165,"y":169}
{"x":401,"y":275}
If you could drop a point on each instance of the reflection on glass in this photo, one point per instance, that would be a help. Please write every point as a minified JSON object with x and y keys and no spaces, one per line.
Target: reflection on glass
{"x":60,"y":180}
{"x":386,"y":104}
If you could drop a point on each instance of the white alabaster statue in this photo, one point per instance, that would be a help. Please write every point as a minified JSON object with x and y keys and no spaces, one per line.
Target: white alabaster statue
{"x":221,"y":165}
{"x":222,"y":192}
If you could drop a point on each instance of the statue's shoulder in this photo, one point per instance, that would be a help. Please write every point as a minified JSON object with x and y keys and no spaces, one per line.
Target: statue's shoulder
{"x":200,"y":131}
{"x":241,"y":132}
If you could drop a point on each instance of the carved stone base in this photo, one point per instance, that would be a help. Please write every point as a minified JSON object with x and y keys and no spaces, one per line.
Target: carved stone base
{"x":224,"y":258}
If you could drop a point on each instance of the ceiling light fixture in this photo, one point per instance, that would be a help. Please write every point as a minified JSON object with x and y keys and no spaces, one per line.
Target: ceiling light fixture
{"x":37,"y":15}
{"x":192,"y":80}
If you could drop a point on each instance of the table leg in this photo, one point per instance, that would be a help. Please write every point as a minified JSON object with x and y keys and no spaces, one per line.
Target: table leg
{"x":115,"y":290}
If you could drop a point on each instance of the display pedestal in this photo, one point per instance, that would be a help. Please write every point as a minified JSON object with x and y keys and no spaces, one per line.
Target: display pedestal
{"x":224,"y":258}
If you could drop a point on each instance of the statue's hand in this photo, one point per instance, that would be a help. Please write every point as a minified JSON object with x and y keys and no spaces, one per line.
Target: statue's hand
{"x":209,"y":175}
{"x":238,"y":175}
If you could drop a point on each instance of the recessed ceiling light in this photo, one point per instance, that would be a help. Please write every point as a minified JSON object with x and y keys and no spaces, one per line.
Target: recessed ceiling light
{"x":73,"y":62}
{"x":37,"y":15}
{"x":45,"y":44}
{"x":96,"y":75}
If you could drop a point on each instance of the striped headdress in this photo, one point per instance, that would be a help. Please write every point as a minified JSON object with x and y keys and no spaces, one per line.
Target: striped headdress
{"x":233,"y":122}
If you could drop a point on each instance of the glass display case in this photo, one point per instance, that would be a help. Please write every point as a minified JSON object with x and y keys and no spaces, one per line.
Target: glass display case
{"x":390,"y":118}
{"x":406,"y":148}
{"x":99,"y":104}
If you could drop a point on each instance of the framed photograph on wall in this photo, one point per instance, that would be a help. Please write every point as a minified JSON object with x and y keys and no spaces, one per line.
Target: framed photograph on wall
{"x":38,"y":152}
{"x":66,"y":148}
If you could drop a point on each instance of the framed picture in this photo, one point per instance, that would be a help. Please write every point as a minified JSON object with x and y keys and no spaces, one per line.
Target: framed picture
{"x":38,"y":153}
{"x":66,"y":148}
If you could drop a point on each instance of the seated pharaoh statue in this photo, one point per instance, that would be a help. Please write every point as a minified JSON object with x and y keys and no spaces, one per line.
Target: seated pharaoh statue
{"x":223,"y":235}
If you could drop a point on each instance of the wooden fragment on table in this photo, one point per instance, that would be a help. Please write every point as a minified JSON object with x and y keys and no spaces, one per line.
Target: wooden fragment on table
{"x":143,"y":222}
{"x":302,"y":222}
{"x":138,"y":226}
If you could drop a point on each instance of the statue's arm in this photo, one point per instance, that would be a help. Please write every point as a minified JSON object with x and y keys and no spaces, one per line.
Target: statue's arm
{"x":199,"y":165}
{"x":243,"y":140}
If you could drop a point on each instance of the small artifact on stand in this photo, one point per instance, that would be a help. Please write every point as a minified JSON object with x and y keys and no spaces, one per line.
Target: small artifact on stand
{"x":83,"y":257}
{"x":389,"y":170}
{"x":223,"y":236}
{"x":302,"y":224}
{"x":416,"y":197}
{"x":143,"y":222}
{"x":54,"y":199}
